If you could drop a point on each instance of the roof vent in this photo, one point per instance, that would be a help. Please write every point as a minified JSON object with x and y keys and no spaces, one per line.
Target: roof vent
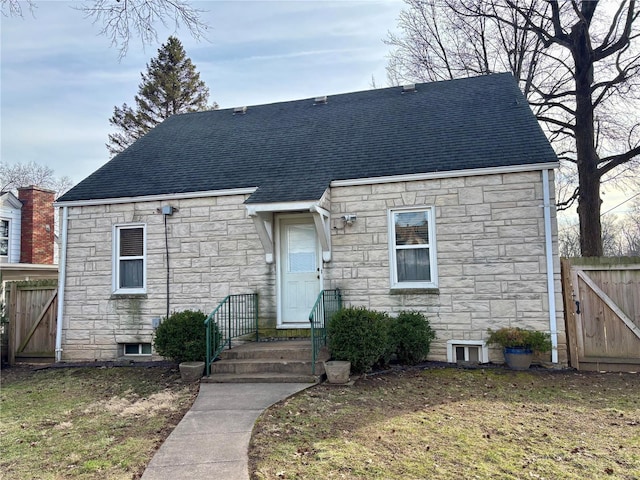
{"x":320,"y":100}
{"x":409,"y":88}
{"x":240,"y":110}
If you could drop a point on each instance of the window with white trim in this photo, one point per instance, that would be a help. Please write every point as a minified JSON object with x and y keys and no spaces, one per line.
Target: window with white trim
{"x":129,"y":259}
{"x":137,"y":348}
{"x":4,"y":238}
{"x":412,"y":248}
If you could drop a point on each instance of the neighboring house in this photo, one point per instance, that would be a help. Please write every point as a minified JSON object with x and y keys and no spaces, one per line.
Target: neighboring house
{"x":438,"y":198}
{"x":27,"y":237}
{"x":10,"y":216}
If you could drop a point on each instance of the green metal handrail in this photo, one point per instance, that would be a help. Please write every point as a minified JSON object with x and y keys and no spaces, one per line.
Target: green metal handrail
{"x":327,"y":303}
{"x":235,"y":316}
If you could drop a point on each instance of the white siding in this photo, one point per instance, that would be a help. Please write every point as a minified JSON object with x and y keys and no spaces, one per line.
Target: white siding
{"x":7,"y":212}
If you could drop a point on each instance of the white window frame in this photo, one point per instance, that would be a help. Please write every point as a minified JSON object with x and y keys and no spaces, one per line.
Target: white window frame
{"x":483,"y":350}
{"x":140,"y":348}
{"x":116,"y":259}
{"x":7,"y":238}
{"x":393,"y":270}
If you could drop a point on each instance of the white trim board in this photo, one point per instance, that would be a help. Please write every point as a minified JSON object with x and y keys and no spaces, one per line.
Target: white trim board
{"x":157,"y":198}
{"x":444,"y":174}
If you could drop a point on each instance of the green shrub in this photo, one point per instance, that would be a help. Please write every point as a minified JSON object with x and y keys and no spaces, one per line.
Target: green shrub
{"x":412,"y":336}
{"x":358,"y":335}
{"x":521,"y":338}
{"x":182,"y":337}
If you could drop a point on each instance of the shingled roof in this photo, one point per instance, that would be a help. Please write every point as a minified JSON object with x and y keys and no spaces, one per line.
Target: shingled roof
{"x":291,"y":151}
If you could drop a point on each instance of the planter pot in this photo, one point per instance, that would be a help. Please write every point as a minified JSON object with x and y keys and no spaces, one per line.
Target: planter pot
{"x":337,"y":371}
{"x":518,"y":358}
{"x":191,"y":371}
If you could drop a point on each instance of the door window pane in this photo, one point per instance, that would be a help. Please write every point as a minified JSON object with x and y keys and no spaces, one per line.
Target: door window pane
{"x":301,"y":245}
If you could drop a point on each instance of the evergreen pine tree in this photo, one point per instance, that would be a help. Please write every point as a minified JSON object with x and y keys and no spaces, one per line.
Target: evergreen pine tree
{"x":170,"y":85}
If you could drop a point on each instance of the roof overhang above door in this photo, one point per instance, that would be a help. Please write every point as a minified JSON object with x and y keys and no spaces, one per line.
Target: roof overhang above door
{"x":262,"y":215}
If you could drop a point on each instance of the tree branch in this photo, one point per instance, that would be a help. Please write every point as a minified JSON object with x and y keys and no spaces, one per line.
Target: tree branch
{"x":614,"y":161}
{"x":605,"y":51}
{"x":124,"y":18}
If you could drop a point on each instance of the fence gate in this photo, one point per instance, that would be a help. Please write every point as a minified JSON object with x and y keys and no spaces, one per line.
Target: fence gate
{"x":32,"y":308}
{"x":602,"y":305}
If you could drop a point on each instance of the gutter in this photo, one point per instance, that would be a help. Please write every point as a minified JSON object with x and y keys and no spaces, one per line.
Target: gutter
{"x":553,"y":327}
{"x":62,"y":275}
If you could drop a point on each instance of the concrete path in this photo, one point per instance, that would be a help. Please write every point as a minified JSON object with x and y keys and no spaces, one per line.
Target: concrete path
{"x":212,"y":439}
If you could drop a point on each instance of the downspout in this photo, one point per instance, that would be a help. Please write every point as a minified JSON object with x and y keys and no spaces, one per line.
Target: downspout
{"x":62,"y":275}
{"x":553,"y":327}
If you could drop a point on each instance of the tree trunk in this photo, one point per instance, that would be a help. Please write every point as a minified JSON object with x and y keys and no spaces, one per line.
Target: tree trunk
{"x":589,"y":201}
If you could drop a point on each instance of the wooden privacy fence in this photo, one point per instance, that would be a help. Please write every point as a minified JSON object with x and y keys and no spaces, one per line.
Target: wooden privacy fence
{"x":602,"y":312}
{"x":32,"y":308}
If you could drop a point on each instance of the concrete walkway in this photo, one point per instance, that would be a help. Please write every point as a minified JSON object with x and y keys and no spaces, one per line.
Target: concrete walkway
{"x":212,"y":439}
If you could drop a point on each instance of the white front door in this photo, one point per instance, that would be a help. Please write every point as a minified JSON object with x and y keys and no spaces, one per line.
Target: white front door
{"x":300,"y":270}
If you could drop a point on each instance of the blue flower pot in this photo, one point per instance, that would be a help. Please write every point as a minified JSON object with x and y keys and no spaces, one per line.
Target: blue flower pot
{"x":518,"y":358}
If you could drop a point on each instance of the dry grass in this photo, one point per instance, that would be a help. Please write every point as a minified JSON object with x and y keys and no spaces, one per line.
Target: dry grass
{"x":453,"y":423}
{"x":89,"y":423}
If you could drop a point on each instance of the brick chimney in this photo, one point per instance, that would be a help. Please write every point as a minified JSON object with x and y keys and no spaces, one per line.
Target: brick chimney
{"x":37,"y":234}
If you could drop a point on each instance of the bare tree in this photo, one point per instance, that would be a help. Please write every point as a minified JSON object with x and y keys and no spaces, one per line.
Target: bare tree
{"x":577,"y":62}
{"x":20,"y":175}
{"x":630,"y":230}
{"x":14,"y":8}
{"x":122,"y":20}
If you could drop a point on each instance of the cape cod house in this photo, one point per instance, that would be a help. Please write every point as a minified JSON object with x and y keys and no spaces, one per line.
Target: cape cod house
{"x":436,"y":197}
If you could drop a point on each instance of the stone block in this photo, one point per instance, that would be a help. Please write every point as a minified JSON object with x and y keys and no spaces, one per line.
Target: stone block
{"x":503,"y":308}
{"x":448,"y":199}
{"x":471,"y":196}
{"x":528,"y":232}
{"x":488,"y":269}
{"x":459,"y":228}
{"x":508,"y":194}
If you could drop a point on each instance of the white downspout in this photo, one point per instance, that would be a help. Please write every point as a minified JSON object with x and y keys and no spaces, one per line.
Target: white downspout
{"x":62,"y":266}
{"x":553,"y":327}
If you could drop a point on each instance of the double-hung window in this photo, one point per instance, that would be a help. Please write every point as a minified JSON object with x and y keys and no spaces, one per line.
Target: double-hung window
{"x":4,"y":238}
{"x":412,"y":248}
{"x":129,"y":259}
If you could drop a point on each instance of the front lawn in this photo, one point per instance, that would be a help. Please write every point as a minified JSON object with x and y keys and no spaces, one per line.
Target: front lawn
{"x":455,"y":423}
{"x":89,"y":423}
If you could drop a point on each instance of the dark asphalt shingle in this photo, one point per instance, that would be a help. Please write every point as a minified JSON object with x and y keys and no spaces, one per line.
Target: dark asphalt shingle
{"x":293,"y":150}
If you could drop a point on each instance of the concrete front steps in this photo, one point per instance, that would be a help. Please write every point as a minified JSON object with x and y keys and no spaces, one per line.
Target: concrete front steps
{"x":284,"y":361}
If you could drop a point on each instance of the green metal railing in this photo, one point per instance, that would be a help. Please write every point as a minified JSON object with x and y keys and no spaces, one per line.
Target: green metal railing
{"x":235,"y":316}
{"x":327,"y":303}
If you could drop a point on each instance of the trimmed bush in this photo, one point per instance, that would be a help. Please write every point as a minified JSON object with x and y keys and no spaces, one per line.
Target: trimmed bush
{"x":510,"y":337}
{"x":412,"y":336}
{"x":358,"y":335}
{"x":182,"y":337}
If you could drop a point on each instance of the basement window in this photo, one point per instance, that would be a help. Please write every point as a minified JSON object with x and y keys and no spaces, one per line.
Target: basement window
{"x":467,"y":351}
{"x":137,"y":348}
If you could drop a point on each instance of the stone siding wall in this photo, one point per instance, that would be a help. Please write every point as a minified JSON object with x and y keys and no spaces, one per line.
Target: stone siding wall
{"x":490,"y":252}
{"x":213,"y":251}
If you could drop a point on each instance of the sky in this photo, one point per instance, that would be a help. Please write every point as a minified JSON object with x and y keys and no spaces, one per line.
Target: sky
{"x":60,"y":79}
